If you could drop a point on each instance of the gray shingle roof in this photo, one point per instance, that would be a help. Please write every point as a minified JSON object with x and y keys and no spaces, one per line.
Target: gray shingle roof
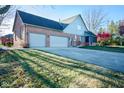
{"x":89,"y":33}
{"x":40,"y":21}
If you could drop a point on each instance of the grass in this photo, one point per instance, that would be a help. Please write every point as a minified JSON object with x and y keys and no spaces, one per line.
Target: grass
{"x":33,"y":68}
{"x":110,"y":49}
{"x":1,"y":45}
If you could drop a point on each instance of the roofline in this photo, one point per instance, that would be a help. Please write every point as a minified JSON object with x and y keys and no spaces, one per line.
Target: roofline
{"x":38,"y":16}
{"x":37,"y":25}
{"x":70,"y":17}
{"x":81,"y":19}
{"x":17,"y":14}
{"x":43,"y":27}
{"x":14,"y":22}
{"x":71,"y":22}
{"x":83,"y":22}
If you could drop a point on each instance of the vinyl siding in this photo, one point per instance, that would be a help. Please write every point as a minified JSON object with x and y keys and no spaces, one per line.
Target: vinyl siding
{"x":77,"y":27}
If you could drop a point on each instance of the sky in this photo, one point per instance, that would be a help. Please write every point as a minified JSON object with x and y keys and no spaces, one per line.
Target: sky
{"x":56,"y":12}
{"x":113,"y":12}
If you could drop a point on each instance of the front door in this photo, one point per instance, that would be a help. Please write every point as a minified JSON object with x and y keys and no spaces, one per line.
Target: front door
{"x":87,"y":40}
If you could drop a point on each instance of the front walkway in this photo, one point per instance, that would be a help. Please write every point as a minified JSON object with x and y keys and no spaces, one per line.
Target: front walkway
{"x":111,"y":60}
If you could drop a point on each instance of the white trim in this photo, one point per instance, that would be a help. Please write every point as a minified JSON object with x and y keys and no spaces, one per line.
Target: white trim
{"x":20,"y":18}
{"x":17,"y":15}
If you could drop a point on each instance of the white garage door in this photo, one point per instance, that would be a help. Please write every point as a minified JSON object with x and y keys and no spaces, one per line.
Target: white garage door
{"x":36,"y":40}
{"x":56,"y":41}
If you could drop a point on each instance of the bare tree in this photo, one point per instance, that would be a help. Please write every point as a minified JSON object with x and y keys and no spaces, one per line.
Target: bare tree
{"x":94,"y":19}
{"x":6,"y":12}
{"x":3,"y":12}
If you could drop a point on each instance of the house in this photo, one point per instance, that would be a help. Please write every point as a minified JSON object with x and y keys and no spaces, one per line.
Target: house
{"x":34,"y":31}
{"x":121,"y":27}
{"x":7,"y":39}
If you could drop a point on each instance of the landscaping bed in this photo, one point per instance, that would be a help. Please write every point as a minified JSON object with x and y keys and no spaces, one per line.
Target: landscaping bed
{"x":105,"y":48}
{"x":33,"y":68}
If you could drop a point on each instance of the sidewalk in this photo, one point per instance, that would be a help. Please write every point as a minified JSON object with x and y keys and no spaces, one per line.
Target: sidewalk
{"x":9,"y":48}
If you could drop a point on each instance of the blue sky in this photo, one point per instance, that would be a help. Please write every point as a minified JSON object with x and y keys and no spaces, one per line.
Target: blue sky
{"x":113,"y":12}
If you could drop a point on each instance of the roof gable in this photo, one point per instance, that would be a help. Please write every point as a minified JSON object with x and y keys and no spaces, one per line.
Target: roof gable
{"x":40,"y":21}
{"x":77,"y":26}
{"x":70,"y":19}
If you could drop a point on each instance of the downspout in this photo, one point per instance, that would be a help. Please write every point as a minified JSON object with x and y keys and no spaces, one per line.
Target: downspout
{"x":26,"y":37}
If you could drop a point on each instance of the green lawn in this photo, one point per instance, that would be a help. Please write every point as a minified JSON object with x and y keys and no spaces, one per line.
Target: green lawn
{"x":33,"y":68}
{"x":111,"y":49}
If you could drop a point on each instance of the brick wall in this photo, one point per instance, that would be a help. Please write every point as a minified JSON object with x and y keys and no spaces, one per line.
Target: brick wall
{"x":18,"y":29}
{"x":49,"y":32}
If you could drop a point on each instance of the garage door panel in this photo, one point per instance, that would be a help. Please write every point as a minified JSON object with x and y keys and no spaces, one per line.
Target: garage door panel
{"x":56,"y":41}
{"x":36,"y":40}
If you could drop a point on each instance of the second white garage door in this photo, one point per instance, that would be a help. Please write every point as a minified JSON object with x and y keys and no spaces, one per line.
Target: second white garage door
{"x":56,"y":41}
{"x":36,"y":40}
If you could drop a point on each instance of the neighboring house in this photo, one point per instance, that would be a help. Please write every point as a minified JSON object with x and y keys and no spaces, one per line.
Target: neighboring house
{"x":7,"y":39}
{"x":0,"y":40}
{"x":121,"y":27}
{"x":34,"y":31}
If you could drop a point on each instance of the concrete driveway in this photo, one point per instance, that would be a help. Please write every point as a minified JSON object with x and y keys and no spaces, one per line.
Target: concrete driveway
{"x":110,"y":60}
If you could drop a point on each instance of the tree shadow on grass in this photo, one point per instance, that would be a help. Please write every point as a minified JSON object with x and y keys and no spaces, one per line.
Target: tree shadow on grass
{"x":75,"y":67}
{"x":4,"y":71}
{"x":6,"y":63}
{"x":49,"y":71}
{"x":31,"y":72}
{"x":4,"y":57}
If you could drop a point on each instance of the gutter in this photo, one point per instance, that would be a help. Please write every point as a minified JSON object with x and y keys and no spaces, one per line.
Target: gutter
{"x":43,"y":27}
